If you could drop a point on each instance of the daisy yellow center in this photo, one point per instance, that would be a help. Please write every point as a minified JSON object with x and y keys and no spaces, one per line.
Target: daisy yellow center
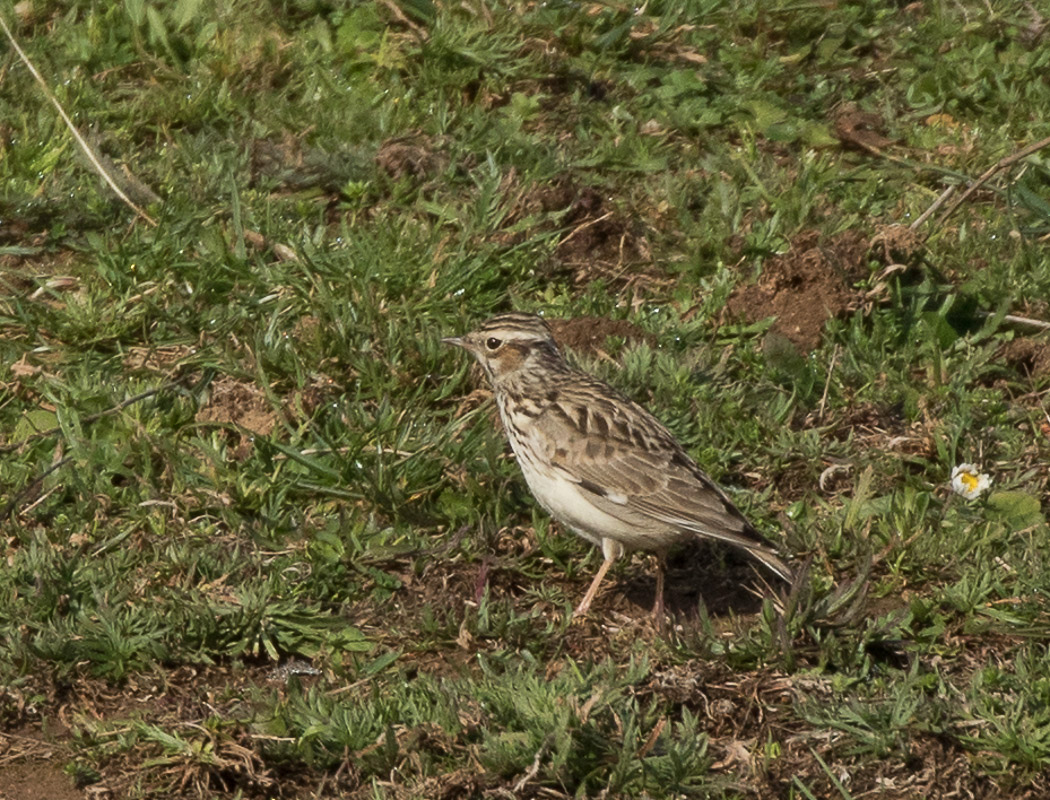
{"x":969,"y":480}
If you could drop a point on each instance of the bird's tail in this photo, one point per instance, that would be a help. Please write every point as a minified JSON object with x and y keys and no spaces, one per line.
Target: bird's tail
{"x":746,"y":538}
{"x":772,"y":562}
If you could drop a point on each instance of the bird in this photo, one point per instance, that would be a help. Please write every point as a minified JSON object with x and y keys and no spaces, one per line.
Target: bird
{"x":597,"y":461}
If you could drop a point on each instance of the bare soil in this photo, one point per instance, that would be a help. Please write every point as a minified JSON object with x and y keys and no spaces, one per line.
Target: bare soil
{"x":31,"y":760}
{"x":36,"y":780}
{"x":415,"y":156}
{"x":587,"y":335}
{"x":739,"y":710}
{"x":596,"y":236}
{"x":722,"y":581}
{"x":241,"y":405}
{"x":806,"y":287}
{"x":1030,"y":357}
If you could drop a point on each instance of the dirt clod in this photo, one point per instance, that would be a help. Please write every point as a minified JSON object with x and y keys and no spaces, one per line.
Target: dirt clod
{"x":241,"y":404}
{"x":805,"y":287}
{"x":588,"y":334}
{"x":1030,"y":357}
{"x":861,"y":129}
{"x":414,"y":156}
{"x":596,"y":237}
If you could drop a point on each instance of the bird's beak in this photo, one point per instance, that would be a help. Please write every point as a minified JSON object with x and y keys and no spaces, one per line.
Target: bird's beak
{"x":455,"y":340}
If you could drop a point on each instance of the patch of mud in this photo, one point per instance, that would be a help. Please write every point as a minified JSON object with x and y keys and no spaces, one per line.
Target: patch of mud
{"x":595,"y":237}
{"x":875,"y":428}
{"x":232,"y":402}
{"x":415,"y":156}
{"x":805,"y":287}
{"x":899,"y":246}
{"x":720,"y":579}
{"x":35,"y":780}
{"x":32,"y":756}
{"x":587,"y":335}
{"x":595,"y":229}
{"x":871,"y":429}
{"x":861,"y":129}
{"x":237,"y":403}
{"x":739,"y":711}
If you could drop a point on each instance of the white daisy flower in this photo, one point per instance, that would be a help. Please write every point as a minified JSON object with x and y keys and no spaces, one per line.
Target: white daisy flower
{"x":969,"y":482}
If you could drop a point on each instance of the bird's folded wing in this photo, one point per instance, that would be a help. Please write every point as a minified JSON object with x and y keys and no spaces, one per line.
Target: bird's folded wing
{"x":635,"y":469}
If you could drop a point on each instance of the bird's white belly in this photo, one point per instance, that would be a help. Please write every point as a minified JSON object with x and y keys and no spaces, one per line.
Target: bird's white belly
{"x":570,"y":505}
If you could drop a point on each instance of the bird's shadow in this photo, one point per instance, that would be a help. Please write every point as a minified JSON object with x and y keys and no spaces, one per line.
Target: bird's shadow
{"x":720,"y":578}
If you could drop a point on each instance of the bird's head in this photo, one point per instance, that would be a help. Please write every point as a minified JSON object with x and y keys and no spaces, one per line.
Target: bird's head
{"x":510,"y":345}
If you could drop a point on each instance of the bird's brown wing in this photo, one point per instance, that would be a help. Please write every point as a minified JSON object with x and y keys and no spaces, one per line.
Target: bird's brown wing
{"x":633,"y":468}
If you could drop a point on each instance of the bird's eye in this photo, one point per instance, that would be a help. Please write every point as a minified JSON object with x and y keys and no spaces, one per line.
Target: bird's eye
{"x":492,"y":343}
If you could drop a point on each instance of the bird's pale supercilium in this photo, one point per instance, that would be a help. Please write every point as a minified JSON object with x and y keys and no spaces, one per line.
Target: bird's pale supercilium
{"x":597,"y":461}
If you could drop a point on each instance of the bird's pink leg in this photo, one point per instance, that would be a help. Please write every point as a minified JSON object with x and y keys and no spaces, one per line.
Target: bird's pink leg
{"x":658,"y":603}
{"x":592,"y":590}
{"x":611,"y":550}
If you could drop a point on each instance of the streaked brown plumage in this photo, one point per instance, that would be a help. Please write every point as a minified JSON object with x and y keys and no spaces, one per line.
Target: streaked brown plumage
{"x":597,"y":461}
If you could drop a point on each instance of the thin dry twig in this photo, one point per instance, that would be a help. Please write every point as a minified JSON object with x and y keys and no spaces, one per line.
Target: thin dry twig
{"x":534,"y":769}
{"x":1000,"y":165}
{"x":92,"y":157}
{"x":654,"y":735}
{"x":400,"y":16}
{"x":1021,"y":323}
{"x":584,"y":226}
{"x":929,"y":212}
{"x":827,"y":384}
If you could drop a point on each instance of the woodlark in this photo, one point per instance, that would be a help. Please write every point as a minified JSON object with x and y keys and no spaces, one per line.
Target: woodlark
{"x":596,"y":460}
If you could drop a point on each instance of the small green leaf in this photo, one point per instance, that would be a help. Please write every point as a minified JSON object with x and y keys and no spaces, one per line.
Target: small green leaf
{"x":1018,"y":510}
{"x":766,"y":114}
{"x":185,"y":12}
{"x":422,"y":11}
{"x":377,"y":665}
{"x":941,"y":329}
{"x":34,"y":422}
{"x":817,"y":134}
{"x":136,"y":11}
{"x":798,"y":56}
{"x":158,"y":31}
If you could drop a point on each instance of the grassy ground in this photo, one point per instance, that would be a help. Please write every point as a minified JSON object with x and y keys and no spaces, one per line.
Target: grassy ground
{"x":262,"y":536}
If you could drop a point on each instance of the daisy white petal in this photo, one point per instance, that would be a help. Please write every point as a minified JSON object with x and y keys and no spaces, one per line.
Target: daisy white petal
{"x":969,"y":482}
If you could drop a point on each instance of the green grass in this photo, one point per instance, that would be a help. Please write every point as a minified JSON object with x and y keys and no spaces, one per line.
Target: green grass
{"x":301,"y":472}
